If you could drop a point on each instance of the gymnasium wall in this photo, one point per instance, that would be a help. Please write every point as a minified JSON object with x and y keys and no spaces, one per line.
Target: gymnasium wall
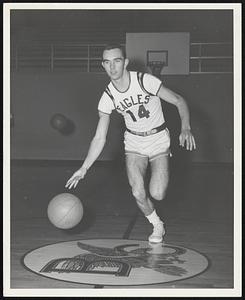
{"x":35,"y":97}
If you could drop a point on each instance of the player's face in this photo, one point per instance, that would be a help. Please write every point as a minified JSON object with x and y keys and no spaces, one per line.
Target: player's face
{"x":114,"y":63}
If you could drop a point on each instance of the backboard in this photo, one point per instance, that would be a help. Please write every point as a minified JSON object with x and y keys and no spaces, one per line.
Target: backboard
{"x":146,"y":50}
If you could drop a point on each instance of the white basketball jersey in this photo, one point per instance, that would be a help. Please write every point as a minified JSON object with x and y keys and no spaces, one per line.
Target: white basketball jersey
{"x":139,"y":105}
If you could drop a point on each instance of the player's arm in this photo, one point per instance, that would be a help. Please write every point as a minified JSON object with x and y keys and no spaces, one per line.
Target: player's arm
{"x":98,"y":142}
{"x":186,"y":136}
{"x":96,"y":146}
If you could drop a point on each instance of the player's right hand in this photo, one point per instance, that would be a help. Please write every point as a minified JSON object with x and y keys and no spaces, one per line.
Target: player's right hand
{"x":73,"y":181}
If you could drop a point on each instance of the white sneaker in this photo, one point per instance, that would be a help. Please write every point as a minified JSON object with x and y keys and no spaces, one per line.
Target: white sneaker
{"x":157,"y":234}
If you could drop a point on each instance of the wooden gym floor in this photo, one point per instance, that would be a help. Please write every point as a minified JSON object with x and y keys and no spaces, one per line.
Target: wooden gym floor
{"x":198,"y":213}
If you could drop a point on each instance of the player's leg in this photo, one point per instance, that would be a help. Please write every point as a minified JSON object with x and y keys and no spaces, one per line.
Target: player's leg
{"x":136,"y":166}
{"x":159,"y":177}
{"x":157,"y":188}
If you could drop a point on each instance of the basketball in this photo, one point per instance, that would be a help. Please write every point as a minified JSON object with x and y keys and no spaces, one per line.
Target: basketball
{"x":65,"y":211}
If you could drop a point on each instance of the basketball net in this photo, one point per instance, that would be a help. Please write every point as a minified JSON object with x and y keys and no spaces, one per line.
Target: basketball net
{"x":156,"y":67}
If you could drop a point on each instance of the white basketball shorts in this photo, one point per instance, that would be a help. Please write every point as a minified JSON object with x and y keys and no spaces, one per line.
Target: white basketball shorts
{"x":150,"y":146}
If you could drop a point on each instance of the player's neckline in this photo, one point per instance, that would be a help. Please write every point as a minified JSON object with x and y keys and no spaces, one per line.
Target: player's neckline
{"x":126,"y":88}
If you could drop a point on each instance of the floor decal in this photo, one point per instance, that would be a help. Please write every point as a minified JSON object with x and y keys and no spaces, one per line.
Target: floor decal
{"x":115,"y":262}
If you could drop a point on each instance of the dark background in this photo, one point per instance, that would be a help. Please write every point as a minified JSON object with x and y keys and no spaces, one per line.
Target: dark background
{"x":37,"y":95}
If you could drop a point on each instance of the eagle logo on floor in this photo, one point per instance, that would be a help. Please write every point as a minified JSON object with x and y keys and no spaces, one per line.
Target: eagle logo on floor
{"x":102,"y":258}
{"x":114,"y":262}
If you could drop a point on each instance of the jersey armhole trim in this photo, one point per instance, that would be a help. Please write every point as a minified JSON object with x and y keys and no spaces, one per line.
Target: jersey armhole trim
{"x":140,"y":77}
{"x":159,"y":88}
{"x":108,"y":92}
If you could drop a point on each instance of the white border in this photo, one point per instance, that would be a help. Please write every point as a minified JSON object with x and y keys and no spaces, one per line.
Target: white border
{"x":122,"y":5}
{"x":6,"y":151}
{"x":237,"y":149}
{"x":236,"y":291}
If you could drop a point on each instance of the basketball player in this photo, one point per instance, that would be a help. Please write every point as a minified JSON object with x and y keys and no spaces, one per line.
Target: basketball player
{"x":137,"y":97}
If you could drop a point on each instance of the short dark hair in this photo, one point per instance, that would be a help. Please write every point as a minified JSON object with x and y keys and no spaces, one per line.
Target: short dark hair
{"x":115,"y":46}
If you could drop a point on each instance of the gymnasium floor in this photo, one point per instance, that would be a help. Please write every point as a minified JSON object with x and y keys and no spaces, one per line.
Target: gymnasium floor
{"x":198,"y":213}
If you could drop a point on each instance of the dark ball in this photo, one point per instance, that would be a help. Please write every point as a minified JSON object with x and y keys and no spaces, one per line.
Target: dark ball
{"x":59,"y":122}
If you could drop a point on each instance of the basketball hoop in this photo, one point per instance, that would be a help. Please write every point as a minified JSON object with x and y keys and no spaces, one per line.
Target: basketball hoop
{"x":156,"y":61}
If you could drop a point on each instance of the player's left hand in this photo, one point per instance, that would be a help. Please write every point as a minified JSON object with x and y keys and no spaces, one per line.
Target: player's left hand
{"x":186,"y":139}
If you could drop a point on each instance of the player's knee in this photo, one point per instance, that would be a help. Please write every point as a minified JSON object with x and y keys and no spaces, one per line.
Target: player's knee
{"x":158,"y":194}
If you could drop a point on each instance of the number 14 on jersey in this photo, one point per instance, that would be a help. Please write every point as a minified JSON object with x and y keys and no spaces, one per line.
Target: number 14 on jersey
{"x":142,"y":113}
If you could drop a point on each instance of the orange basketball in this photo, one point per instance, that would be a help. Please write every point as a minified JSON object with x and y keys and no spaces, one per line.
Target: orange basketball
{"x":65,"y":211}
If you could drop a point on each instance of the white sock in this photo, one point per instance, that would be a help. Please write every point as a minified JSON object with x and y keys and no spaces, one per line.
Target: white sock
{"x":153,"y":218}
